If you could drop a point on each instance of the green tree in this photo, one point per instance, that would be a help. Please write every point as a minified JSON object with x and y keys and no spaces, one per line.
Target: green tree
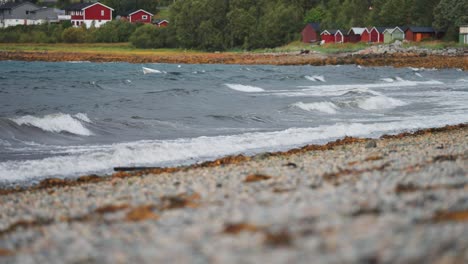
{"x":449,"y":15}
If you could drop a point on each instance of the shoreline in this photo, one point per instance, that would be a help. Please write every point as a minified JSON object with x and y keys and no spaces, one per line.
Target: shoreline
{"x":284,"y":59}
{"x":397,"y":199}
{"x":49,"y":183}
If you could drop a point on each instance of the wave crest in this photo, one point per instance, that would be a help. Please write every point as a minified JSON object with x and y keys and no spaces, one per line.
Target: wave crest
{"x":325,"y":107}
{"x":244,"y":88}
{"x":57,"y":123}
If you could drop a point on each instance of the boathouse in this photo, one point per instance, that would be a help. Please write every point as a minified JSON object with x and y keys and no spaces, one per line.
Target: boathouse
{"x":311,"y":33}
{"x":356,"y":34}
{"x":464,"y":34}
{"x":376,"y":34}
{"x":391,"y":35}
{"x":418,"y":34}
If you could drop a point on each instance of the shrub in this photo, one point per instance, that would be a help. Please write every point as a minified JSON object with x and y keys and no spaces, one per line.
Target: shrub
{"x":75,"y":35}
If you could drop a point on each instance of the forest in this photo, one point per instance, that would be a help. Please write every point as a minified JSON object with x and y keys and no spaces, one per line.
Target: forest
{"x":245,"y":24}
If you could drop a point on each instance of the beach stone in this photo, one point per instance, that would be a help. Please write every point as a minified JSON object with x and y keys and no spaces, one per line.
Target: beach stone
{"x":371,"y":144}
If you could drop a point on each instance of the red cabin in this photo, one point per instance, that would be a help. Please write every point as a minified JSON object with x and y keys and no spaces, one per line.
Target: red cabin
{"x":328,"y":36}
{"x":138,"y":16}
{"x":89,"y":14}
{"x":419,"y":33}
{"x":376,"y":34}
{"x":161,"y":23}
{"x":310,"y":33}
{"x":340,"y":37}
{"x":356,"y":34}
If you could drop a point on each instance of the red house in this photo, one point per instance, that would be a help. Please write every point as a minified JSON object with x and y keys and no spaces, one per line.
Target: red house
{"x":89,"y":14}
{"x":310,"y":33}
{"x":376,"y":34}
{"x":138,"y":16}
{"x":161,"y":23}
{"x":365,"y":36}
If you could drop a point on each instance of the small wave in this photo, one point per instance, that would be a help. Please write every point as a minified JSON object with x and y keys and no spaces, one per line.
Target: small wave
{"x":315,"y":78}
{"x":380,"y":102}
{"x":325,"y":107}
{"x":389,"y":80}
{"x":57,"y":123}
{"x":244,"y":88}
{"x":418,"y":74}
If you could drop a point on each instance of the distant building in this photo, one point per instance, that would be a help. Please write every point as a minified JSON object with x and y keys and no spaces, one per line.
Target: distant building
{"x":25,"y":13}
{"x":419,"y":33}
{"x":138,"y":16}
{"x":161,"y":23}
{"x":376,"y":34}
{"x":311,"y":33}
{"x":356,"y":34}
{"x":464,"y":34}
{"x":88,"y":14}
{"x":328,"y":36}
{"x":334,"y":36}
{"x":391,"y":35}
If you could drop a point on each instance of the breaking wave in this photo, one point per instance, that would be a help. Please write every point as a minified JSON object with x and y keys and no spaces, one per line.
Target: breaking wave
{"x":244,"y":88}
{"x":159,"y":153}
{"x":57,"y":123}
{"x":325,"y":107}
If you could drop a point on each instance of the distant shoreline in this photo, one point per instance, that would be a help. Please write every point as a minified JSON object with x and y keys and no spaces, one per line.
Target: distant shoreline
{"x":289,"y":58}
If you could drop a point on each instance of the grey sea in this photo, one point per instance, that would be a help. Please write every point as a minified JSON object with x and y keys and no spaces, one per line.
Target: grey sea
{"x":76,"y":118}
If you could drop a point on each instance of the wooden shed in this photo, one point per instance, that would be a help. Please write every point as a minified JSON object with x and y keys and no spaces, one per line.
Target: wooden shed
{"x":311,"y":33}
{"x":419,"y":33}
{"x":355,"y":34}
{"x":376,"y":34}
{"x":328,"y":36}
{"x":464,"y":34}
{"x":391,"y":35}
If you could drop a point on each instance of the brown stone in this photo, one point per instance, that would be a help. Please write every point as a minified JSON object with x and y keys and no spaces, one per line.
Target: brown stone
{"x":236,"y":228}
{"x":141,"y":213}
{"x":257,"y":177}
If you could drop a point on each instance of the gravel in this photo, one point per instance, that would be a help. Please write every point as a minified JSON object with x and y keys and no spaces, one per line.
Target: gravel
{"x":391,"y":201}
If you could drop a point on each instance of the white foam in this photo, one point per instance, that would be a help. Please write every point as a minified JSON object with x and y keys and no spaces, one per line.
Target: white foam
{"x":340,"y":89}
{"x":315,"y":78}
{"x":244,"y":88}
{"x":389,"y":80}
{"x":154,"y":153}
{"x":149,"y":70}
{"x":57,"y":123}
{"x":82,"y":117}
{"x":380,"y":102}
{"x":418,"y":74}
{"x":325,"y":107}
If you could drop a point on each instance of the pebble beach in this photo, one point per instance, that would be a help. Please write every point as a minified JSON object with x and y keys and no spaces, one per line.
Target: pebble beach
{"x":396,"y":199}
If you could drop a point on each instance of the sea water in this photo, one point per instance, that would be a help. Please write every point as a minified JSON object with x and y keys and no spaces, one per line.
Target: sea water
{"x":71,"y":119}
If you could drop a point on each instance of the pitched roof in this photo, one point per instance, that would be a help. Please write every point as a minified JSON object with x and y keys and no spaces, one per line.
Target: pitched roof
{"x":357,"y":30}
{"x":329,"y":31}
{"x":81,"y":6}
{"x":131,"y":12}
{"x":382,"y":29}
{"x":315,"y":26}
{"x":422,"y":29}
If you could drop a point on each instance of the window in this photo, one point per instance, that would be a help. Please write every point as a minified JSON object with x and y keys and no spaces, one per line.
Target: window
{"x":102,"y":12}
{"x":144,"y":17}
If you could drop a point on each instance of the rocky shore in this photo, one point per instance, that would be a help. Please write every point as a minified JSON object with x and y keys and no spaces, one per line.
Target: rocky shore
{"x":397,"y":199}
{"x":383,"y":55}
